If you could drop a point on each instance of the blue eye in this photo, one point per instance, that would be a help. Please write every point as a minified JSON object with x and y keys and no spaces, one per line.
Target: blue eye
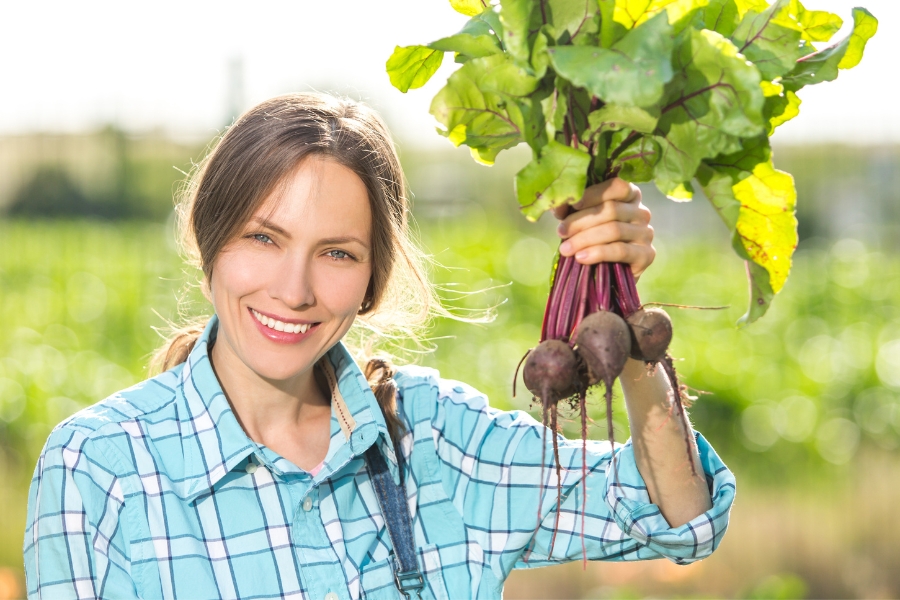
{"x":261,"y":238}
{"x":343,"y":255}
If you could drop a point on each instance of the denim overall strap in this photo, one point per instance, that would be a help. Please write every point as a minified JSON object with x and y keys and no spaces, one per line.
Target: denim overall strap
{"x":395,"y":510}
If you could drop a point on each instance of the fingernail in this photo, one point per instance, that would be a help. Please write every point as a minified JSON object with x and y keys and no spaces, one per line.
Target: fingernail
{"x":581,"y":255}
{"x":565,"y":248}
{"x":561,"y":229}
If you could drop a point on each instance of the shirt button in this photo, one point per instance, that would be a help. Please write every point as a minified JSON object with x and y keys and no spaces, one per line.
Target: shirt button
{"x":307,"y":506}
{"x":331,"y":596}
{"x":251,"y":467}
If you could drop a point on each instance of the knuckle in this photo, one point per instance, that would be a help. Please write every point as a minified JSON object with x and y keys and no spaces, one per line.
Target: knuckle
{"x":615,"y":230}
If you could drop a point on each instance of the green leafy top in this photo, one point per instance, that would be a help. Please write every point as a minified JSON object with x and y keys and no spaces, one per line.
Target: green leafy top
{"x":676,"y":92}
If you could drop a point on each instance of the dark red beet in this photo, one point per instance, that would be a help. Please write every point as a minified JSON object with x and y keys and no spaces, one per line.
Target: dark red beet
{"x":604,"y":343}
{"x":551,"y":371}
{"x":651,"y":333}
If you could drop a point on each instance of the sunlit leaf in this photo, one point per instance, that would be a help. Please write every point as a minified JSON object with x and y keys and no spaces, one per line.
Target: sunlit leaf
{"x":557,"y":177}
{"x":683,"y":192}
{"x":713,"y":100}
{"x":770,"y":39}
{"x":781,"y":109}
{"x":721,"y":16}
{"x":412,"y":66}
{"x":540,"y":60}
{"x":633,"y":72}
{"x":745,"y":6}
{"x":614,"y":117}
{"x":480,"y":107}
{"x":521,"y":21}
{"x":824,"y":64}
{"x":767,"y":225}
{"x":565,"y":107}
{"x":468,"y":7}
{"x":816,"y":25}
{"x":631,"y":13}
{"x":535,"y":131}
{"x":757,"y":203}
{"x":770,"y":88}
{"x":569,"y":19}
{"x":475,"y":40}
{"x":864,"y":28}
{"x":633,"y":156}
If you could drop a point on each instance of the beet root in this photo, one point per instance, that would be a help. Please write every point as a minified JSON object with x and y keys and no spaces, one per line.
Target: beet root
{"x":603,"y":341}
{"x":551,"y":371}
{"x":651,"y":333}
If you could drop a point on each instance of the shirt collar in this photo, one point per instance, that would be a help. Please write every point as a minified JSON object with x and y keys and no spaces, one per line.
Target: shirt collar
{"x":214,"y":443}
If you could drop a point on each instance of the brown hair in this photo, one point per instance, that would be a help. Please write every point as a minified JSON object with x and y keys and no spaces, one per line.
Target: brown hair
{"x":245,"y":166}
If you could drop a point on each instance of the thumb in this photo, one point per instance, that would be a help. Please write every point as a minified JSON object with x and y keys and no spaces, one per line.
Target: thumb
{"x":562,"y":211}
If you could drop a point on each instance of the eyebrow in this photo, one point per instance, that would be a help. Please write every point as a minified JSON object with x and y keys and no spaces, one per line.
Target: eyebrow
{"x":270,"y":225}
{"x":333,"y":240}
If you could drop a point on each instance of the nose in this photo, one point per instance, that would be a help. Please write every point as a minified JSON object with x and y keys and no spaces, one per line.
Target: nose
{"x":293,"y":283}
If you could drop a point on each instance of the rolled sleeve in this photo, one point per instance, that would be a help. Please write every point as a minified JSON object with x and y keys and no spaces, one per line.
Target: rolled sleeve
{"x":496,"y":469}
{"x":629,"y":503}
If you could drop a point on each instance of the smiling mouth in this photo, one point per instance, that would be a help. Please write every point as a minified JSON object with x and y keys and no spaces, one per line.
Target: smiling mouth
{"x":280,"y":325}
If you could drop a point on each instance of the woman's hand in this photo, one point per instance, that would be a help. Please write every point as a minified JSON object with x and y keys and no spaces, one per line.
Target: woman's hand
{"x":608,"y":224}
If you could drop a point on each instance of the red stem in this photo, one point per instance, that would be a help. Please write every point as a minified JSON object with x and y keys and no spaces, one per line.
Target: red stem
{"x":548,"y":331}
{"x":581,"y":308}
{"x":626,"y":290}
{"x":593,"y":302}
{"x":564,"y":313}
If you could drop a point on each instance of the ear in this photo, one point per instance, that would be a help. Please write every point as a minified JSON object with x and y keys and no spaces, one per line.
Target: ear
{"x":367,"y":300}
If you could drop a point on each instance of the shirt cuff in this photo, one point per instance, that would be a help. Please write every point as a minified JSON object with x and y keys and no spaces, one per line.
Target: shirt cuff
{"x":628,"y":501}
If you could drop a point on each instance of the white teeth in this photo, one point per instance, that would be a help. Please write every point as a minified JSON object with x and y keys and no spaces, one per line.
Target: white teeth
{"x":280,"y":326}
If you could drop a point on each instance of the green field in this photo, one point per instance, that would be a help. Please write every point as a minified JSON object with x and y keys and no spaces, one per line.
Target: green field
{"x":801,"y":404}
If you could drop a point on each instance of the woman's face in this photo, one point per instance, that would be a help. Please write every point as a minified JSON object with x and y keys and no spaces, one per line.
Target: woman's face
{"x":288,"y":288}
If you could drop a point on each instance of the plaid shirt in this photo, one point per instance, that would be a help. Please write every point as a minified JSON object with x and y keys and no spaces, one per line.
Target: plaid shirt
{"x":157,"y":492}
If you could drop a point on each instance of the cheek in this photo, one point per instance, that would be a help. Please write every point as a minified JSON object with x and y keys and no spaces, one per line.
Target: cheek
{"x":235,"y":275}
{"x":345,"y":293}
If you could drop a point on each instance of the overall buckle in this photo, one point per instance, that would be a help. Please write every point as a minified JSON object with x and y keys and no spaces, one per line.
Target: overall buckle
{"x":410,"y":581}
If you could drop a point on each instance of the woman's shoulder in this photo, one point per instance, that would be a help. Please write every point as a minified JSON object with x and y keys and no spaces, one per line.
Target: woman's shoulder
{"x":114,"y":414}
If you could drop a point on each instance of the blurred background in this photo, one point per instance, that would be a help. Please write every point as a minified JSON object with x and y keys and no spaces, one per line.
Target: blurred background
{"x":107,"y":106}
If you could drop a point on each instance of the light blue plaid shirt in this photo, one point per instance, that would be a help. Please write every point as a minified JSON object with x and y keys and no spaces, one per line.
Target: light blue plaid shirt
{"x":157,"y":492}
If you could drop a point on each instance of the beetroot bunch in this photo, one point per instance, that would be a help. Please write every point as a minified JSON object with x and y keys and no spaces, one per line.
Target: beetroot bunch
{"x":593,"y":323}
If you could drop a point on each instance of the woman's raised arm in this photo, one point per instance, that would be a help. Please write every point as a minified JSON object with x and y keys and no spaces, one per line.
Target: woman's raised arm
{"x":611,"y":224}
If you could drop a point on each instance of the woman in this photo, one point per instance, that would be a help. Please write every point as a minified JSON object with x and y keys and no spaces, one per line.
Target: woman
{"x":263,"y":463}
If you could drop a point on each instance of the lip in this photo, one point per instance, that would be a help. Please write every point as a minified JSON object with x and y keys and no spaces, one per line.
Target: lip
{"x":278,"y":318}
{"x":282,"y":337}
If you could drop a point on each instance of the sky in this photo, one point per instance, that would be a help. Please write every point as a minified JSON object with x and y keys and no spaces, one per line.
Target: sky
{"x":186,"y":66}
